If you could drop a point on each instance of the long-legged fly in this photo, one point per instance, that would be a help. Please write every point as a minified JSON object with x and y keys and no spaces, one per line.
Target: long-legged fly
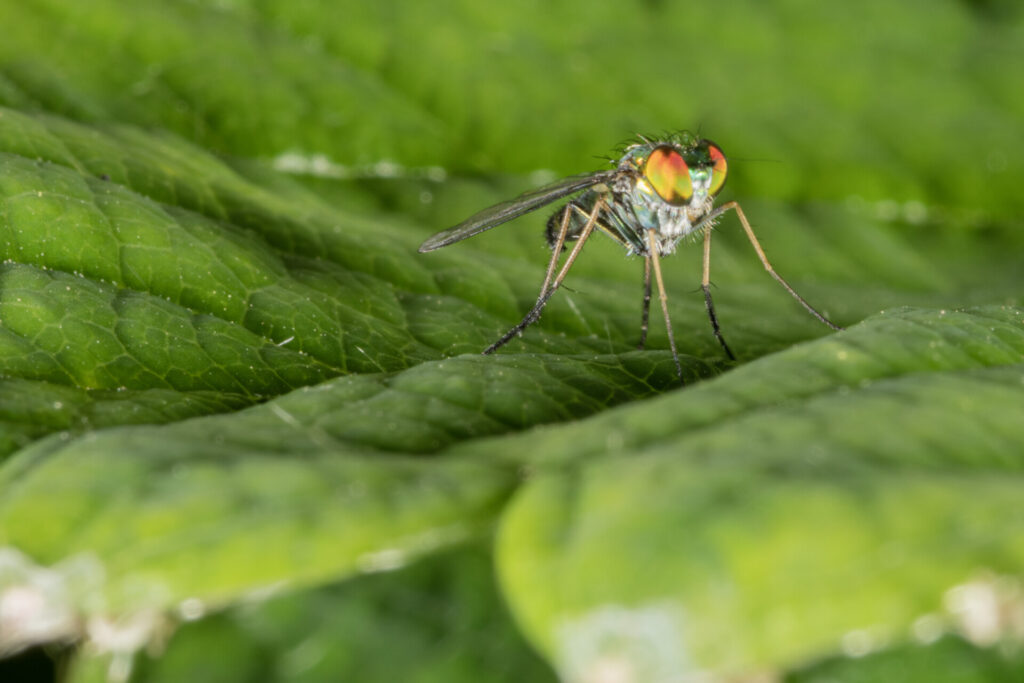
{"x":660,"y":192}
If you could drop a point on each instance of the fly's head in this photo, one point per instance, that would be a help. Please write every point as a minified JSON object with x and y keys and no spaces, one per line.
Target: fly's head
{"x":672,"y":183}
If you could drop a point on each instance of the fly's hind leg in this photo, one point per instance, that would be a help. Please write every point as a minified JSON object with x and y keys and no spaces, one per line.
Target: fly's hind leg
{"x":551,"y":285}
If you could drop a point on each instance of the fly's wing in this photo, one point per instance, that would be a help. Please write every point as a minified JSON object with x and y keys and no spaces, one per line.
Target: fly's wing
{"x":514,"y":208}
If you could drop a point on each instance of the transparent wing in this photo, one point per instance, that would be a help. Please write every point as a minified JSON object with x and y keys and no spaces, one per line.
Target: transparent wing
{"x":513,"y":208}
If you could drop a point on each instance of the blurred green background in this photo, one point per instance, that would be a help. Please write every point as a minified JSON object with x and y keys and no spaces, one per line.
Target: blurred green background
{"x":241,"y":441}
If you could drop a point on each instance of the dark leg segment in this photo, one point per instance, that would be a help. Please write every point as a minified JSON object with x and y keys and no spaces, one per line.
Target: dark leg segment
{"x":734,"y":206}
{"x":646,"y":313}
{"x":705,"y":284}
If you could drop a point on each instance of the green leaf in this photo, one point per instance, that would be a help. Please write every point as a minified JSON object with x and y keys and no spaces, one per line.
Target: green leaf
{"x":776,"y":525}
{"x":163,"y":528}
{"x":224,"y":367}
{"x":438,"y":621}
{"x":949,"y":659}
{"x":311,"y":486}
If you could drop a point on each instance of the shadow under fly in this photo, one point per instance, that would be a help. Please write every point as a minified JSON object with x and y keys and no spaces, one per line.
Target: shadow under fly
{"x":659,"y":192}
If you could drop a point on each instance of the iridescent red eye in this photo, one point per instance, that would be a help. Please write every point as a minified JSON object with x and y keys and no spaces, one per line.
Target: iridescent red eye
{"x":668,"y":174}
{"x":719,"y":168}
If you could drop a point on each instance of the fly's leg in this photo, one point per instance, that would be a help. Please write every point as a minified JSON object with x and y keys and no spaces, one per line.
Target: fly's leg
{"x":556,"y":251}
{"x":652,"y":241}
{"x":705,"y":284}
{"x":734,"y":206}
{"x":646,"y":313}
{"x":552,"y":287}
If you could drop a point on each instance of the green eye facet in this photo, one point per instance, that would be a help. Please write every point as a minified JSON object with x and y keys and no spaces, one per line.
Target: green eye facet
{"x":719,"y":168}
{"x":668,"y":174}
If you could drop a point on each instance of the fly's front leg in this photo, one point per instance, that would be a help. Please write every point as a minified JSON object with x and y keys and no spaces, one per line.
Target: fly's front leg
{"x":705,"y":284}
{"x":734,"y":206}
{"x":652,"y":241}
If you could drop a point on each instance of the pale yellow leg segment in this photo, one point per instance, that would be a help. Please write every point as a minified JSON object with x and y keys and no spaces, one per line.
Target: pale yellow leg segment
{"x":768,"y":266}
{"x":555,"y":253}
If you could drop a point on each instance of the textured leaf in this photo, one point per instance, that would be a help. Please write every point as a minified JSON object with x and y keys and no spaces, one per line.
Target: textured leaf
{"x":225,"y":369}
{"x":311,"y":486}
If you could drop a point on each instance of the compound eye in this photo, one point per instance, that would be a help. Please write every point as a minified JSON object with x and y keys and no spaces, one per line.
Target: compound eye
{"x":719,"y":168}
{"x":668,"y":174}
